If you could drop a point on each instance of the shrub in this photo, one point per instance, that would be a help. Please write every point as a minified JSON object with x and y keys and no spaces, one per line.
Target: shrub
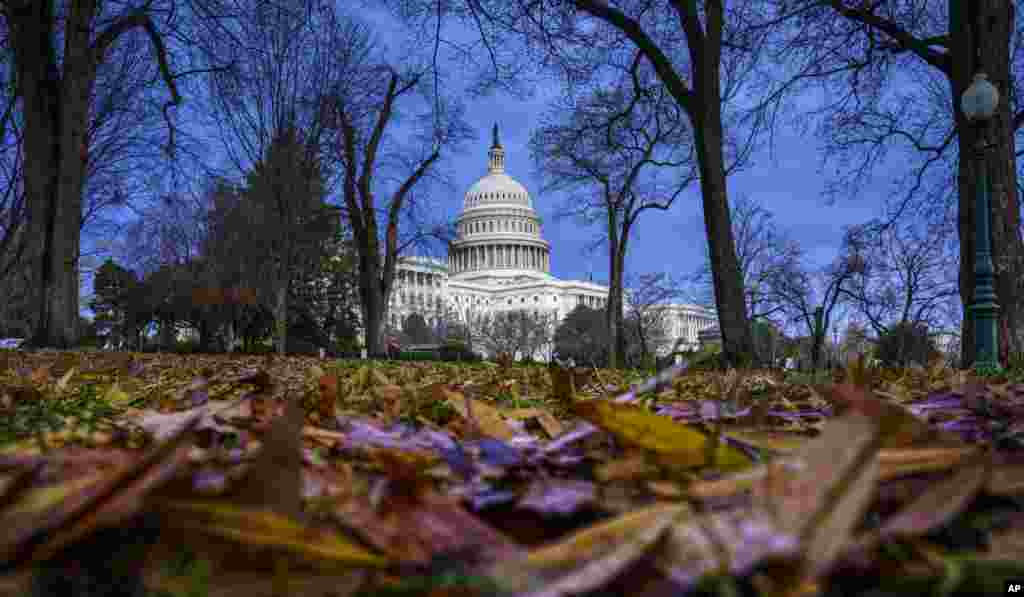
{"x":186,"y":347}
{"x":419,"y":355}
{"x":710,"y":358}
{"x":457,"y":351}
{"x":904,"y":343}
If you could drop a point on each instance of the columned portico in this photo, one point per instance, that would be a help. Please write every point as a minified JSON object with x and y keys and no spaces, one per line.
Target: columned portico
{"x":500,"y":261}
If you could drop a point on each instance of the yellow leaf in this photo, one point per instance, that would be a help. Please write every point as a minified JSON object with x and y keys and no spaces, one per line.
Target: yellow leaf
{"x":674,"y":443}
{"x":589,"y":558}
{"x":484,"y":416}
{"x":38,"y":499}
{"x":116,"y":395}
{"x":263,"y":528}
{"x":62,"y":383}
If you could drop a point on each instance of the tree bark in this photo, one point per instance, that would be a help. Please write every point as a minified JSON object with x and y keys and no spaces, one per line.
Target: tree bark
{"x":56,"y":100}
{"x":613,"y":310}
{"x":281,"y":315}
{"x":980,"y":42}
{"x":55,"y":112}
{"x":730,"y":302}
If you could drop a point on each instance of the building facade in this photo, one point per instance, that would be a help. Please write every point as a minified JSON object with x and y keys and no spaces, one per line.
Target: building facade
{"x":500,"y":261}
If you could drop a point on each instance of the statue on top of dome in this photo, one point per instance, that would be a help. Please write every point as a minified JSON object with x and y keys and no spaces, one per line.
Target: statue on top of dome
{"x":495,"y":142}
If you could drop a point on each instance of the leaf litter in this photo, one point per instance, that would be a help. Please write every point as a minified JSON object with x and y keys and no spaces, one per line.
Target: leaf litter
{"x":229,"y":475}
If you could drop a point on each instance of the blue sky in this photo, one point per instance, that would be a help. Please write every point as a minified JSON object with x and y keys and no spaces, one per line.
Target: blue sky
{"x":787,"y":183}
{"x":790,"y":186}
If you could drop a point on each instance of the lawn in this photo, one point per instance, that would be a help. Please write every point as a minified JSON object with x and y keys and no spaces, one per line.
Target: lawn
{"x":191,"y":475}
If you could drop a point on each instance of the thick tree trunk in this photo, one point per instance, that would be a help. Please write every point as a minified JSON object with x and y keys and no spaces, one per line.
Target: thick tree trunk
{"x":730,"y":301}
{"x":980,"y":42}
{"x":372,"y":303}
{"x":56,"y":110}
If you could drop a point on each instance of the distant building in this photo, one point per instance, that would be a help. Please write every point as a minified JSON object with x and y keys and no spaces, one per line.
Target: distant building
{"x":500,"y":261}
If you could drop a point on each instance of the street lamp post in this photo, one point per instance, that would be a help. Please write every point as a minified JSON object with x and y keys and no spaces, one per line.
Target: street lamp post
{"x":979,"y":104}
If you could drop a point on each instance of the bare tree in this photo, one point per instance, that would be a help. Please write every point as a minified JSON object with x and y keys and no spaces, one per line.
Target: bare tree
{"x":764,"y":252}
{"x":906,"y":277}
{"x":647,"y":314}
{"x":55,"y":50}
{"x":893,"y":74}
{"x":701,"y":53}
{"x":602,"y":150}
{"x":519,"y":333}
{"x":812,"y":297}
{"x":364,"y":106}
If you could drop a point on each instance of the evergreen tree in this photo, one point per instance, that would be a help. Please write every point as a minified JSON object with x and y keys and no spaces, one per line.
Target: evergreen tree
{"x":582,"y":337}
{"x":114,"y":289}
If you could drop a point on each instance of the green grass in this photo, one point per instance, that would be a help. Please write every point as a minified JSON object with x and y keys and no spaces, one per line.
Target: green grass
{"x":34,"y":415}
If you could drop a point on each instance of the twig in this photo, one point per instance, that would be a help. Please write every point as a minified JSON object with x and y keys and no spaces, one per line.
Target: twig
{"x":664,"y":377}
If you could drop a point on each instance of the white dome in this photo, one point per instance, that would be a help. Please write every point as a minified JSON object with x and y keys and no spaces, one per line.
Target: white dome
{"x":498,"y":233}
{"x":495,"y":188}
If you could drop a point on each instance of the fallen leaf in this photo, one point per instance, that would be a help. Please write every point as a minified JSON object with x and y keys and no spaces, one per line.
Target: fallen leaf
{"x":558,"y":496}
{"x":113,"y":497}
{"x":257,"y":527}
{"x":480,"y":414}
{"x":416,"y":531}
{"x":939,"y":504}
{"x":115,"y":395}
{"x":587,"y":559}
{"x":674,"y":443}
{"x":274,"y":480}
{"x":62,"y":383}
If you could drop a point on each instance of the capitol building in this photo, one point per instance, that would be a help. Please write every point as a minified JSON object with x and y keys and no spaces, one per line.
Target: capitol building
{"x":500,"y":261}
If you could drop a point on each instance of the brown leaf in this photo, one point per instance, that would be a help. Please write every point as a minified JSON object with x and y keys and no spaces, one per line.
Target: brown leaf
{"x":940,"y":503}
{"x":274,"y":480}
{"x":328,"y":396}
{"x":1006,"y":479}
{"x":388,"y":400}
{"x":41,"y":375}
{"x":821,"y":497}
{"x":590,"y":558}
{"x":114,"y":497}
{"x":899,"y":428}
{"x":417,"y":530}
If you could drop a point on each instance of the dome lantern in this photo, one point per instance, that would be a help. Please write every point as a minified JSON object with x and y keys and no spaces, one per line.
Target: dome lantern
{"x":496,"y":154}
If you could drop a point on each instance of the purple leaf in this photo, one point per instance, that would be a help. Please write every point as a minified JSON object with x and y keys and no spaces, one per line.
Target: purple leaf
{"x":559,"y":497}
{"x":497,"y":453}
{"x":209,"y":481}
{"x":458,"y":460}
{"x":135,"y":368}
{"x":198,"y":398}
